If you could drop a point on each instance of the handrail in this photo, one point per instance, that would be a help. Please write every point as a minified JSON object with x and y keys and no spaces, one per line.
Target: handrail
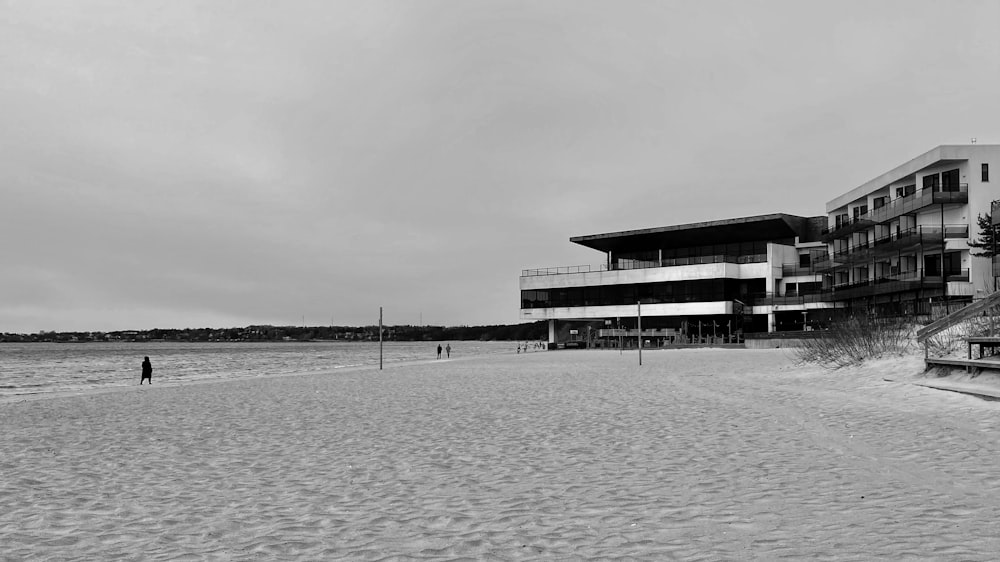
{"x":903,"y":205}
{"x":920,"y":232}
{"x":942,"y":324}
{"x":796,"y":270}
{"x":791,"y":297}
{"x":911,"y":275}
{"x":645,"y":264}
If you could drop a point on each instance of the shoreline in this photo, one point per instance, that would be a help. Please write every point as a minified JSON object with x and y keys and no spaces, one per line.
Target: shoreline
{"x":985,"y":385}
{"x":53,"y":370}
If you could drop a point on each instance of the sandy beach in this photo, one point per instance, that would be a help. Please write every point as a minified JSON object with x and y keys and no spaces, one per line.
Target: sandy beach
{"x":695,"y":455}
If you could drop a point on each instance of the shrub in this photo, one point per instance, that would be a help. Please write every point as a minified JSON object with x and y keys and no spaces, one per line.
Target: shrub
{"x":854,"y":340}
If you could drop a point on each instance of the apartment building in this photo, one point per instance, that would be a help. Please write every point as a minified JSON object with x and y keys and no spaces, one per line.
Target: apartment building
{"x":707,"y":282}
{"x":899,"y":244}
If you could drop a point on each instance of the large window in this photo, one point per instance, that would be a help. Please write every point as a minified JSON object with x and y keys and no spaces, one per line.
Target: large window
{"x":700,"y":290}
{"x":949,"y":180}
{"x":730,"y":250}
{"x":932,"y":265}
{"x":986,"y":172}
{"x":953,"y":263}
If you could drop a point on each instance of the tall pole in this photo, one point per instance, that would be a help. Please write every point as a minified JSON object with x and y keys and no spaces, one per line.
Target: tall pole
{"x":621,"y":337}
{"x":944,"y":280}
{"x":993,"y":257}
{"x":638,"y":305}
{"x":380,"y":338}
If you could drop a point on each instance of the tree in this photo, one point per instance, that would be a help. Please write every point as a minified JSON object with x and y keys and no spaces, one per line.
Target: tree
{"x":986,"y":237}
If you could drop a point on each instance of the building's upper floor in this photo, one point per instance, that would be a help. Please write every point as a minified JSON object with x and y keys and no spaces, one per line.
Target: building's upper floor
{"x":736,"y":240}
{"x":945,"y":175}
{"x":757,"y":247}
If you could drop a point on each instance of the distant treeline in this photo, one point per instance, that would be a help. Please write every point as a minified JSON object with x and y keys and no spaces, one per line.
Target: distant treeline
{"x":516,"y":332}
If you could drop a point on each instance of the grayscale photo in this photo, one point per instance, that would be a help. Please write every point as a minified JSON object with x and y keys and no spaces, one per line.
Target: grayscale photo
{"x":499,"y":280}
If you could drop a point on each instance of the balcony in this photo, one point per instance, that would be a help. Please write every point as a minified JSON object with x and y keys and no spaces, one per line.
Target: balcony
{"x":927,"y":238}
{"x":824,"y":265}
{"x":796,"y":270}
{"x":901,"y":206}
{"x":625,"y":265}
{"x":905,"y":281}
{"x":789,"y":298}
{"x":847,"y":228}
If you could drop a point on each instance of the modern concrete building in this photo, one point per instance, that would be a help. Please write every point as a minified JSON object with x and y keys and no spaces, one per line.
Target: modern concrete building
{"x":896,"y":245}
{"x":899,"y":244}
{"x":697,"y":283}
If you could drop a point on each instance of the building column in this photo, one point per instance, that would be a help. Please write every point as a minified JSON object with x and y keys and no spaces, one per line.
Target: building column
{"x":552,"y":331}
{"x":770,"y":322}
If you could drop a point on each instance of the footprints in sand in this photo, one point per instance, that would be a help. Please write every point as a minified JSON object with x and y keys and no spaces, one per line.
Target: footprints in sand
{"x":551,"y":458}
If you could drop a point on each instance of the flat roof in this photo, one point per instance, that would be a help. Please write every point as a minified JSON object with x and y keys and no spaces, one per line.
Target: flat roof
{"x":760,"y":227}
{"x":938,"y":155}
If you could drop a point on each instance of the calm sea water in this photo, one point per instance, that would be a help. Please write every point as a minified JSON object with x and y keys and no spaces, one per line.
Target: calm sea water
{"x":40,"y":368}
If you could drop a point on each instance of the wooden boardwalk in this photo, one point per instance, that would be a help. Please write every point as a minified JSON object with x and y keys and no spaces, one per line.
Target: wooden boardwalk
{"x":986,"y":306}
{"x":969,"y":364}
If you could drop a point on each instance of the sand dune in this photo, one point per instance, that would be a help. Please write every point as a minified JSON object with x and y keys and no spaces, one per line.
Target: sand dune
{"x":696,"y":455}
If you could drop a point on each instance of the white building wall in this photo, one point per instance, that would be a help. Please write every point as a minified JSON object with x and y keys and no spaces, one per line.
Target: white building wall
{"x":968,"y":159}
{"x":981,"y":196}
{"x":648,"y":275}
{"x":628,"y":311}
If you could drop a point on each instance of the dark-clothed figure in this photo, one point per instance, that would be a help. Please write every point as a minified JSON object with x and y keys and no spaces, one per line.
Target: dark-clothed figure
{"x":439,"y":351}
{"x":147,"y":371}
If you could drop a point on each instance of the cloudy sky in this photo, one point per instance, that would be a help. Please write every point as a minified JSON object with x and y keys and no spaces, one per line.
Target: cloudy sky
{"x":211,"y":164}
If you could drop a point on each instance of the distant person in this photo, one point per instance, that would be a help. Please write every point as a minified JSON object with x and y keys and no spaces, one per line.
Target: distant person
{"x":147,"y":371}
{"x":439,"y":351}
{"x":447,"y":349}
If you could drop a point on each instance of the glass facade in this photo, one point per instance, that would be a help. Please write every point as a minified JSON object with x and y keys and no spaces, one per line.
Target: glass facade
{"x":734,"y":250}
{"x":699,"y":290}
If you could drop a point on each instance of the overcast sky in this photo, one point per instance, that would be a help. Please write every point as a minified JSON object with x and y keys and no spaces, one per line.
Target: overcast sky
{"x":179,"y":164}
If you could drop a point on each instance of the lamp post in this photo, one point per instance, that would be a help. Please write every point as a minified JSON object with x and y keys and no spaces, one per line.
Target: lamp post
{"x":638,"y":309}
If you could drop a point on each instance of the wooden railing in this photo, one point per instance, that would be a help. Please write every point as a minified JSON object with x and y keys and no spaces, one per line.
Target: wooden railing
{"x":974,"y":309}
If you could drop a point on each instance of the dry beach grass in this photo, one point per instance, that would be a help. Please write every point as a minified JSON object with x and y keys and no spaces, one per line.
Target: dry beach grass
{"x":696,"y":455}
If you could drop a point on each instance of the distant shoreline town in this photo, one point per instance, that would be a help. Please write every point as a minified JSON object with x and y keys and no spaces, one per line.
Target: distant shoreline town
{"x":264,"y":333}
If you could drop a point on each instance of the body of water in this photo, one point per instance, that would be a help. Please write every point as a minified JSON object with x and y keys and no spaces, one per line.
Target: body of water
{"x":49,"y":368}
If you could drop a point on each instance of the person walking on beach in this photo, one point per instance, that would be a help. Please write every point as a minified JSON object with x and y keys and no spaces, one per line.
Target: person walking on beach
{"x":147,"y":371}
{"x":447,"y":350}
{"x":439,"y":351}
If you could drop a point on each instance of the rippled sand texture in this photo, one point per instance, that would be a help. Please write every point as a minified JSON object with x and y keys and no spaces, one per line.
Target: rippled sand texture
{"x":697,"y":455}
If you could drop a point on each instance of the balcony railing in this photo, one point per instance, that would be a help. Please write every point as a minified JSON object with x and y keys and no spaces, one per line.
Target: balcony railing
{"x":845,"y":228}
{"x":928,"y":237}
{"x":789,"y":298}
{"x":796,"y":270}
{"x":900,"y":206}
{"x":624,"y":265}
{"x":894,"y":283}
